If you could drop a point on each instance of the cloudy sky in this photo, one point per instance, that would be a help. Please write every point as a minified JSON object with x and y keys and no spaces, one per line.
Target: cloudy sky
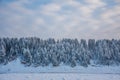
{"x":60,"y":18}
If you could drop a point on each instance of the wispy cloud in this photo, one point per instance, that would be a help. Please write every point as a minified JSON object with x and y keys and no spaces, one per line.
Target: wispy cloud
{"x":60,"y":18}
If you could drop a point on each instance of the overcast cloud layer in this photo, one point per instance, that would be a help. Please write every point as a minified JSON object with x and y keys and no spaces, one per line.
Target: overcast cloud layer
{"x":60,"y":18}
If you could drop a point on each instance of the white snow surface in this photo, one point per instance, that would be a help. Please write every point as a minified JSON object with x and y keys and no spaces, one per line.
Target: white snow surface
{"x":16,"y":67}
{"x":59,"y":76}
{"x":16,"y":71}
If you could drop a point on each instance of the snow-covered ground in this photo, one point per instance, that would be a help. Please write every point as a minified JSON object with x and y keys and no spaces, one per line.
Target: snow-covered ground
{"x":16,"y":71}
{"x":59,"y":76}
{"x":17,"y":67}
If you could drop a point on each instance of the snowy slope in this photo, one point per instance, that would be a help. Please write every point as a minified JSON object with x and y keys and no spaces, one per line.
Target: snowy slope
{"x":59,"y":76}
{"x":17,"y":67}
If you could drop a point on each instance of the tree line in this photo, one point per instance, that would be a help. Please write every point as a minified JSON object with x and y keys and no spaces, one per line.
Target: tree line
{"x":36,"y":52}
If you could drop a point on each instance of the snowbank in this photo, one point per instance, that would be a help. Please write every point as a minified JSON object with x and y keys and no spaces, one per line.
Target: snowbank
{"x":16,"y":67}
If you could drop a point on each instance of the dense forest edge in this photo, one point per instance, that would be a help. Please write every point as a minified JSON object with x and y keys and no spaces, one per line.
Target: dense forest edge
{"x":72,"y":52}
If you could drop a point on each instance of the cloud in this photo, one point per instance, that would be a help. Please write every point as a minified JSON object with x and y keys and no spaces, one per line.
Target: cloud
{"x":60,"y":19}
{"x":51,"y":7}
{"x":117,"y":1}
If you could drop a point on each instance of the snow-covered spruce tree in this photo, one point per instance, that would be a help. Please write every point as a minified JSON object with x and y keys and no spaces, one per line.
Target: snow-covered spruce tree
{"x":104,"y":52}
{"x":45,"y":59}
{"x":106,"y":55}
{"x":91,"y":47}
{"x":116,"y":51}
{"x":55,"y":56}
{"x":85,"y":54}
{"x":26,"y":57}
{"x":118,"y":46}
{"x":98,"y":52}
{"x":12,"y":54}
{"x":73,"y":61}
{"x":68,"y":51}
{"x":3,"y":59}
{"x":37,"y":57}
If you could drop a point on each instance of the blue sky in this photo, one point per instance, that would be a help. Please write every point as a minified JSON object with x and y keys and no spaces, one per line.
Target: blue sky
{"x":58,"y":19}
